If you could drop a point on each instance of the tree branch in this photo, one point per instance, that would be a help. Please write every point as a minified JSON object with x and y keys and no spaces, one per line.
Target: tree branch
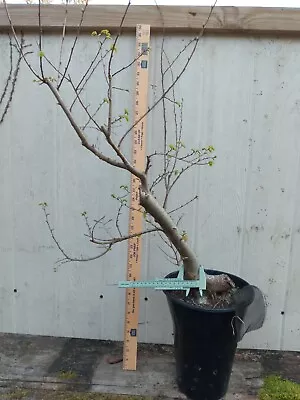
{"x":109,"y":74}
{"x":184,"y":204}
{"x":74,"y":45}
{"x":196,"y":40}
{"x":125,"y":163}
{"x":68,"y":258}
{"x":41,"y":55}
{"x":122,"y":238}
{"x":160,"y":215}
{"x":8,"y":79}
{"x":89,"y":72}
{"x":174,"y":259}
{"x":62,"y":43}
{"x":130,"y":64}
{"x":12,"y":77}
{"x":19,"y":47}
{"x":78,"y":131}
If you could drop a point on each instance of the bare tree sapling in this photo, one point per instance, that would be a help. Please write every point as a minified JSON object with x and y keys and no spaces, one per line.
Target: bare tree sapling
{"x":175,"y":157}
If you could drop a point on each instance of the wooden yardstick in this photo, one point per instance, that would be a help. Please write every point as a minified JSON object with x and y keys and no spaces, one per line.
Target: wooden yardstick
{"x":136,"y":217}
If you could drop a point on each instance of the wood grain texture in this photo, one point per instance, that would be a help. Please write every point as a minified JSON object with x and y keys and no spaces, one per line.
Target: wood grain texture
{"x":175,"y":18}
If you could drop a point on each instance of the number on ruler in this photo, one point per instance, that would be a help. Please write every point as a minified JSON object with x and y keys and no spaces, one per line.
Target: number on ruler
{"x":136,"y":218}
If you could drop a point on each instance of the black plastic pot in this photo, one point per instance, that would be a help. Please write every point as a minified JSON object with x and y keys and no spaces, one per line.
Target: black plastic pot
{"x":205,"y":344}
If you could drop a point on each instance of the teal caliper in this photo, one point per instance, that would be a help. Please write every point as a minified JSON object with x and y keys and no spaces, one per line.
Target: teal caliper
{"x":170,"y":283}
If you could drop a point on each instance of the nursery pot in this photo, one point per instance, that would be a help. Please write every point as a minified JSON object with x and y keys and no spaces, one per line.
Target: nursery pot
{"x":205,"y":344}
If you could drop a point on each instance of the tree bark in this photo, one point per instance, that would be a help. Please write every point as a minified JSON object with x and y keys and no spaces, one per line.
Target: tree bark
{"x":215,"y":284}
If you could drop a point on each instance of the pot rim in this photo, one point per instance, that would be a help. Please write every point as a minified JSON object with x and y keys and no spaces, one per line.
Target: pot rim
{"x":202,"y":309}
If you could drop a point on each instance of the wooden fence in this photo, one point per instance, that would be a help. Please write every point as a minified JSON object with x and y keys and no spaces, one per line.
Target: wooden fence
{"x":241,"y":94}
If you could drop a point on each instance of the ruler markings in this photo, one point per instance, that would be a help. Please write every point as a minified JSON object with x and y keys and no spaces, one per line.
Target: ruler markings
{"x":136,"y":217}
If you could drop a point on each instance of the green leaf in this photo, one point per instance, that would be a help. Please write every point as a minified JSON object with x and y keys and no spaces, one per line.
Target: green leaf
{"x":106,"y":33}
{"x":51,"y":79}
{"x":94,"y":33}
{"x":184,"y":236}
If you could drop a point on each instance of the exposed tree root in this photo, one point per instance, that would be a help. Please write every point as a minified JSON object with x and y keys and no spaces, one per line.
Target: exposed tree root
{"x":219,"y":283}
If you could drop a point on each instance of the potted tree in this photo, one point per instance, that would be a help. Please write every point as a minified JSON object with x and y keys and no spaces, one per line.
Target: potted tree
{"x":207,"y":327}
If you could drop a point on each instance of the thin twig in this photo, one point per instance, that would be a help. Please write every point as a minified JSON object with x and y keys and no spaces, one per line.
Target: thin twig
{"x":100,"y":221}
{"x":121,"y":89}
{"x":58,"y":245}
{"x":13,"y":83}
{"x":79,"y":133}
{"x":171,"y":246}
{"x":84,"y":214}
{"x":122,"y":238}
{"x":166,"y":160}
{"x":196,"y":40}
{"x":54,"y":67}
{"x":179,"y":220}
{"x":84,"y":107}
{"x":129,"y":65}
{"x":117,"y":219}
{"x":165,"y":130}
{"x":125,"y":163}
{"x":10,"y":70}
{"x":156,"y":181}
{"x":74,"y":45}
{"x":183,"y":205}
{"x":93,"y":115}
{"x":40,"y":41}
{"x":173,"y":260}
{"x":177,"y":137}
{"x":87,"y":75}
{"x":19,"y":47}
{"x":109,"y":74}
{"x":62,"y":41}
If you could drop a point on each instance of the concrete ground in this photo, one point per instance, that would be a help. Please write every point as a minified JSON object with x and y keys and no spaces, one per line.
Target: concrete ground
{"x":36,"y":367}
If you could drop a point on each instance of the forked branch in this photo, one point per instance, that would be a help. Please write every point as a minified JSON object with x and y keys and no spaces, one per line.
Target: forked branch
{"x":161,"y":219}
{"x":105,"y":244}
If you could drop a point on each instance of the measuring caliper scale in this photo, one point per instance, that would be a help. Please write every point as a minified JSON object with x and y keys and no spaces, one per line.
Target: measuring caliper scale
{"x":170,"y":283}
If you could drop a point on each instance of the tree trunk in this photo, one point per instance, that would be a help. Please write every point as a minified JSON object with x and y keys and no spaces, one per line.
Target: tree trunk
{"x":215,"y":284}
